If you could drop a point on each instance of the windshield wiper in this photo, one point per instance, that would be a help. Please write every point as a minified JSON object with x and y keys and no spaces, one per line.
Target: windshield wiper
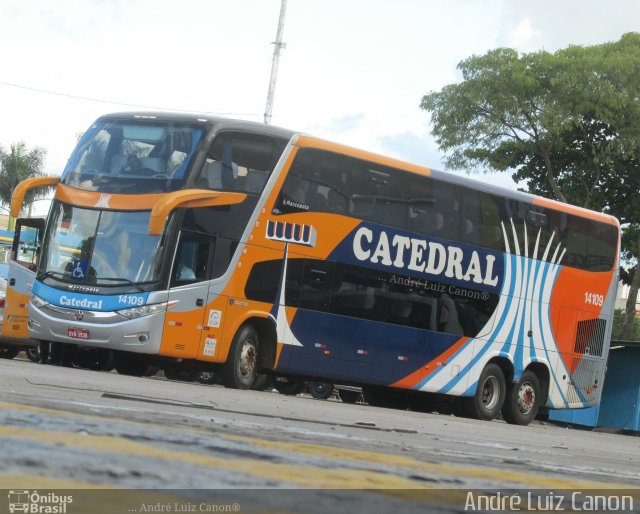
{"x":125,"y":280}
{"x":55,"y":274}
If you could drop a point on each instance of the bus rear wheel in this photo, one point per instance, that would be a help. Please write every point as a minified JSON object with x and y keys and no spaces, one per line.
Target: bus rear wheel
{"x":240,"y":370}
{"x":490,"y":394}
{"x":523,"y":400}
{"x":7,"y":352}
{"x":33,"y":353}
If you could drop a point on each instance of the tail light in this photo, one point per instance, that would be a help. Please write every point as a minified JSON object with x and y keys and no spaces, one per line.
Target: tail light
{"x":1,"y":303}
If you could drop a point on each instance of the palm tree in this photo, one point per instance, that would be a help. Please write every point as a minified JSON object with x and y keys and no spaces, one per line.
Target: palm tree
{"x":17,"y":165}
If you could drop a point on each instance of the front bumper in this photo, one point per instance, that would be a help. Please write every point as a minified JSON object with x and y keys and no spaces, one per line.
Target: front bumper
{"x":107,"y":330}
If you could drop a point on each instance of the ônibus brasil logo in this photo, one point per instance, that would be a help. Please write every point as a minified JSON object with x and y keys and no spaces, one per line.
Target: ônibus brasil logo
{"x":32,"y":502}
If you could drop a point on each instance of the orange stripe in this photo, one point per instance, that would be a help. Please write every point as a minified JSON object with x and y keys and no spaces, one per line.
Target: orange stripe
{"x":576,"y":211}
{"x":414,"y":379}
{"x":321,"y":144}
{"x":188,"y":198}
{"x":80,"y":198}
{"x":26,"y":185}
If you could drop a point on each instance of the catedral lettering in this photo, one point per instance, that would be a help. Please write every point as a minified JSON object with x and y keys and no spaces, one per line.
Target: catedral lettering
{"x":280,"y":240}
{"x":84,"y":303}
{"x":422,"y":256}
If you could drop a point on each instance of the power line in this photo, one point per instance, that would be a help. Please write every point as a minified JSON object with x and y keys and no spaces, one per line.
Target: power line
{"x":139,"y":106}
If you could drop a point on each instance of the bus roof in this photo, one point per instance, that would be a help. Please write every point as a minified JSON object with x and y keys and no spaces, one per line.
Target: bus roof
{"x":224,"y":123}
{"x":203,"y":120}
{"x":314,"y":142}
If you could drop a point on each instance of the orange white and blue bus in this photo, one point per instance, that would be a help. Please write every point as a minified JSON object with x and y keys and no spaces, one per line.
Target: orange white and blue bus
{"x":14,"y":296}
{"x":248,"y":248}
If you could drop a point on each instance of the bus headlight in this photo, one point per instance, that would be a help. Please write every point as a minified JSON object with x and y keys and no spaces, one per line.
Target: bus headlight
{"x":146,"y":310}
{"x":38,"y":302}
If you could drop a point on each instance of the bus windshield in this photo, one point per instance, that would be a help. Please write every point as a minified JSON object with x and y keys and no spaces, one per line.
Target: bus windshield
{"x":132,"y":156}
{"x":100,"y":247}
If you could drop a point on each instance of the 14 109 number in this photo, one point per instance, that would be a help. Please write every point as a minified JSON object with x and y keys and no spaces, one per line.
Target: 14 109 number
{"x":135,"y":301}
{"x":594,"y":299}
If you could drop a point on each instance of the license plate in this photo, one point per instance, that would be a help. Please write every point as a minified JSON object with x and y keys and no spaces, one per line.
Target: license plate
{"x":78,"y":333}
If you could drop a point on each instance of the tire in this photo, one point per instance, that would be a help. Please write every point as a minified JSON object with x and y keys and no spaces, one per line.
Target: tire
{"x":523,"y":400}
{"x":290,"y":388}
{"x":348,"y":396}
{"x":240,"y":370}
{"x":7,"y":352}
{"x":320,"y":390}
{"x":131,"y":364}
{"x":490,"y":394}
{"x":33,"y":353}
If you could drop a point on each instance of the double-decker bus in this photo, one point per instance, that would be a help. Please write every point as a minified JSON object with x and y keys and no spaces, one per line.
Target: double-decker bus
{"x":249,"y":248}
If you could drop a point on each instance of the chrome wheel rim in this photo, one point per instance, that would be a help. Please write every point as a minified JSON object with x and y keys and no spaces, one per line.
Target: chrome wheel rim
{"x":247,"y":358}
{"x":526,"y":398}
{"x":490,"y":393}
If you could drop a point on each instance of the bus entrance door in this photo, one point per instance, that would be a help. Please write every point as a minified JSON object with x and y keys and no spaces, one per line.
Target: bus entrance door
{"x":22,"y":266}
{"x":185,"y":321}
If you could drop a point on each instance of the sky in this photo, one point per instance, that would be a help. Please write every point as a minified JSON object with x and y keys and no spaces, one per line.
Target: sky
{"x":353,"y":71}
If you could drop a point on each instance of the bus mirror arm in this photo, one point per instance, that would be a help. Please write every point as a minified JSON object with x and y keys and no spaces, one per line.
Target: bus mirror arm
{"x":188,"y":198}
{"x":27,"y":185}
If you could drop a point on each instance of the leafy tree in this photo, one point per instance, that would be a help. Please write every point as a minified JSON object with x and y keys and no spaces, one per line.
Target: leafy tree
{"x":19,"y":164}
{"x":567,"y":124}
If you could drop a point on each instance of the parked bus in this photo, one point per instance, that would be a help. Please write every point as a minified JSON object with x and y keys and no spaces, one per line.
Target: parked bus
{"x":16,"y":290}
{"x":249,"y":248}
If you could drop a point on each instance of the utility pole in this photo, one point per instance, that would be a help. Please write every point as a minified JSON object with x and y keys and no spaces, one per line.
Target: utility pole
{"x":277,"y":46}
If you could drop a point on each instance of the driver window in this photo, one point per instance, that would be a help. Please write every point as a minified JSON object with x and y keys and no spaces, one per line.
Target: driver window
{"x":192,"y":258}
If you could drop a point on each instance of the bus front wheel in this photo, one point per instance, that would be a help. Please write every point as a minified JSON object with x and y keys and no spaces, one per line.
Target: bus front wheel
{"x":490,"y":394}
{"x":240,"y":370}
{"x":523,"y":400}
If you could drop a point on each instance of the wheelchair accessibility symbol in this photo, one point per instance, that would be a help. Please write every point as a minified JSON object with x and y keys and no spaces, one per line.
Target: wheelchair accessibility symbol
{"x":78,"y":271}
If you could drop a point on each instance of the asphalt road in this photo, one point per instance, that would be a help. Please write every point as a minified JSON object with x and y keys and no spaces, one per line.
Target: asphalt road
{"x":74,"y":429}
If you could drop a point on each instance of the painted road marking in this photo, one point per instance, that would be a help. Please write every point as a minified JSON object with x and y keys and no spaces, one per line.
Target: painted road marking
{"x":303,"y":476}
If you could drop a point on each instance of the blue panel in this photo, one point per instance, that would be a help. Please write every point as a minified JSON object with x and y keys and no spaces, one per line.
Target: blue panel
{"x":486,"y":264}
{"x":620,"y":404}
{"x":361,"y":350}
{"x":89,"y":302}
{"x":585,"y":417}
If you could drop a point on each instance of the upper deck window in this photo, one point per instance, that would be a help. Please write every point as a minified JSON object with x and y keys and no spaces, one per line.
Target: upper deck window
{"x":240,"y":162}
{"x":129,"y":156}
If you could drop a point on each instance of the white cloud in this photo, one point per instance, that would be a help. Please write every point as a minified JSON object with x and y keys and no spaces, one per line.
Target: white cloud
{"x":524,"y":37}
